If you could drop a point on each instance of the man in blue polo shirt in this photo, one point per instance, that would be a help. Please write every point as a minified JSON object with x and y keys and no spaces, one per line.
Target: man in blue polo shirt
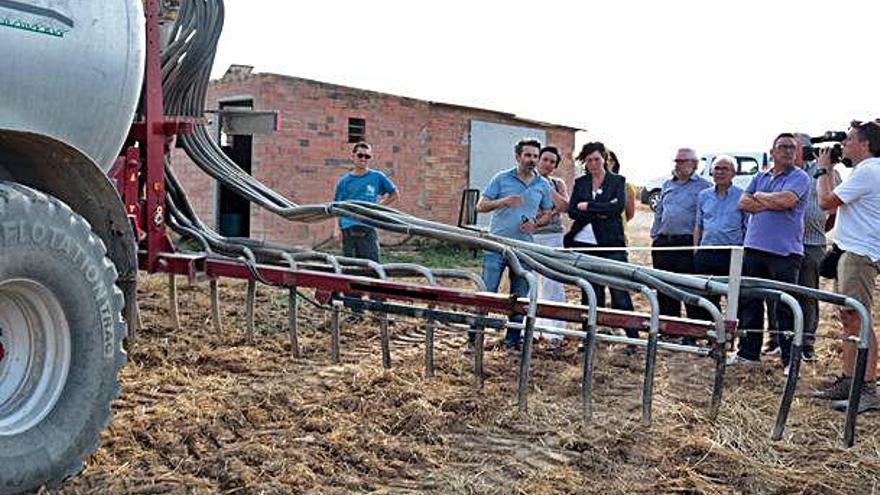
{"x":362,"y":184}
{"x":776,"y":200}
{"x":719,"y":221}
{"x":519,"y":200}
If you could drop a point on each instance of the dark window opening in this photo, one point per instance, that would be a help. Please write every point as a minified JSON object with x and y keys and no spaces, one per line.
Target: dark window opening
{"x":357,"y":130}
{"x":233,"y":211}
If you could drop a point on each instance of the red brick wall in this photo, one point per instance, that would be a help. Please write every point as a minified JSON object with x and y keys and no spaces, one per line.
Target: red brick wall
{"x":421,"y":146}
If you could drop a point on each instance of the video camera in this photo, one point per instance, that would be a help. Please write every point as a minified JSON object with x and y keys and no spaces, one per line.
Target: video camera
{"x":830,"y":140}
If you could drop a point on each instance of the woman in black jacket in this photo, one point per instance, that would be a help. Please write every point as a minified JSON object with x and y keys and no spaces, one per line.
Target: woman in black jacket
{"x":596,"y":203}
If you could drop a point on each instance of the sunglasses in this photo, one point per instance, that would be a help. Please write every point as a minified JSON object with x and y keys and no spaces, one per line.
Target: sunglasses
{"x":683,"y":160}
{"x":364,"y":156}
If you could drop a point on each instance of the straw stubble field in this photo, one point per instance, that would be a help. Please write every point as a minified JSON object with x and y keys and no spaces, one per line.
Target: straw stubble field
{"x":201,"y":413}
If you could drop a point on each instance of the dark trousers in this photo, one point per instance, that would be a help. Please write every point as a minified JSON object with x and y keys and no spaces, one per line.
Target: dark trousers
{"x":620,"y":299}
{"x":751,"y":310}
{"x":678,"y":262}
{"x":808,"y":276}
{"x":713,"y":262}
{"x":359,"y":241}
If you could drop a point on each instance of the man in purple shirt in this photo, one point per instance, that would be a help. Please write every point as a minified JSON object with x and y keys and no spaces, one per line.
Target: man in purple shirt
{"x":774,"y":242}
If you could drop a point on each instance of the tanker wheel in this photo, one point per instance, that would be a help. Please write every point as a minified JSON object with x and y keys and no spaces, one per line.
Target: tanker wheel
{"x":60,"y":339}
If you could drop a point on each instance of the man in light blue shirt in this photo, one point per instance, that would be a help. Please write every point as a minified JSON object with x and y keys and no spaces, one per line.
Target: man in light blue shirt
{"x":519,"y":200}
{"x":719,"y":222}
{"x":674,"y":225}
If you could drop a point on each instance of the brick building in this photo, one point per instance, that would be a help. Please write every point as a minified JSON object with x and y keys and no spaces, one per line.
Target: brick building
{"x":432,"y":151}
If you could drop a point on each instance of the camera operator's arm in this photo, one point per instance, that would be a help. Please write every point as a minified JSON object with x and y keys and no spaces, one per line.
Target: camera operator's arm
{"x":828,"y":200}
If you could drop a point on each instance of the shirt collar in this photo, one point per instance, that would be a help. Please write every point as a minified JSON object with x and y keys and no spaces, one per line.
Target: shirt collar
{"x":513,"y":172}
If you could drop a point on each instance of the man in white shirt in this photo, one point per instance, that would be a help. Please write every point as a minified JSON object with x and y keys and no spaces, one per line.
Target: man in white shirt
{"x":857,"y":200}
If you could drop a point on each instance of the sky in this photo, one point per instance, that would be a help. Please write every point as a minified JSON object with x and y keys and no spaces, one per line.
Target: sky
{"x":643,"y":77}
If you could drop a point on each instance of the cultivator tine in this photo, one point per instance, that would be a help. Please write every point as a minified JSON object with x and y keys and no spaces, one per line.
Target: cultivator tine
{"x":429,"y":347}
{"x":650,"y":355}
{"x":215,"y":306}
{"x":589,"y":342}
{"x":172,"y":302}
{"x":855,"y":392}
{"x":386,"y":342}
{"x":479,"y":342}
{"x":292,"y":311}
{"x":794,"y":365}
{"x":334,"y":331}
{"x":249,"y":309}
{"x":293,"y":322}
{"x":527,"y":345}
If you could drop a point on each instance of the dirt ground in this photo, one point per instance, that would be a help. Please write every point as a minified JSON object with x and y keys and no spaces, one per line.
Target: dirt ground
{"x":202,"y":413}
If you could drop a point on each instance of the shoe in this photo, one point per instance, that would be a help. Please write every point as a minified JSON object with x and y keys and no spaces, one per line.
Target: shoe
{"x":837,"y":390}
{"x":737,"y":360}
{"x":809,"y":356}
{"x":469,"y":349}
{"x":869,"y":400}
{"x":630,"y":350}
{"x":691,"y":341}
{"x":775,"y":350}
{"x":511,"y":346}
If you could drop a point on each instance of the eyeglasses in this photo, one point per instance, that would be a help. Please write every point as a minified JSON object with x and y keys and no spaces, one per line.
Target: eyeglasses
{"x":364,"y":156}
{"x":723,"y":169}
{"x":683,"y":160}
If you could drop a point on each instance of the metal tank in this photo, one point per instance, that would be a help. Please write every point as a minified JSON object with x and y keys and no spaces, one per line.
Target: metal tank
{"x":72,"y":70}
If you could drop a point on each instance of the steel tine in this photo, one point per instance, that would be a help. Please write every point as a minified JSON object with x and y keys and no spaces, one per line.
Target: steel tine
{"x":215,"y":306}
{"x":794,"y":363}
{"x":292,"y":312}
{"x":249,"y":309}
{"x":172,"y":302}
{"x":334,"y":331}
{"x":650,"y":355}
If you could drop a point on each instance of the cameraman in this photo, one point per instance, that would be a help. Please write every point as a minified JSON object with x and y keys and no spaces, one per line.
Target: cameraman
{"x":857,"y":200}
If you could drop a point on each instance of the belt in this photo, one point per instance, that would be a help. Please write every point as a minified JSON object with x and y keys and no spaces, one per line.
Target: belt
{"x":676,"y":237}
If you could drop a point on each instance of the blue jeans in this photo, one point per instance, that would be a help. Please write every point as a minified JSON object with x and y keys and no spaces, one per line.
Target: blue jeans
{"x":493,"y":267}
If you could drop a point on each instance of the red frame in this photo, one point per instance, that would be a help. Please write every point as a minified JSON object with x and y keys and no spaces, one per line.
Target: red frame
{"x":144,"y":156}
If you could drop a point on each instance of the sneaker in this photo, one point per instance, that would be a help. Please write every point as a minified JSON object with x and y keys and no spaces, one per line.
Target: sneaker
{"x":868,"y":402}
{"x":837,"y":390}
{"x":775,"y":350}
{"x":809,"y":356}
{"x":737,"y":360}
